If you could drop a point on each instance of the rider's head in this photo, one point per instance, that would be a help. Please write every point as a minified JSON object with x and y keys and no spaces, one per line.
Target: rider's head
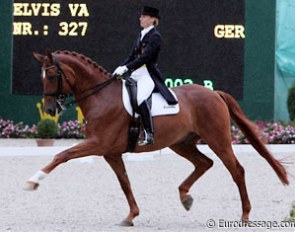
{"x":149,"y":16}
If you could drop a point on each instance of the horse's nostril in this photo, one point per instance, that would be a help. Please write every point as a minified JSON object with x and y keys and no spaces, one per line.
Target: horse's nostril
{"x":50,"y":111}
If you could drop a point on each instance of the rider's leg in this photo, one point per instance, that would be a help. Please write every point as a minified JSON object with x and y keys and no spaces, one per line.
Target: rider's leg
{"x":145,"y":87}
{"x":147,"y":120}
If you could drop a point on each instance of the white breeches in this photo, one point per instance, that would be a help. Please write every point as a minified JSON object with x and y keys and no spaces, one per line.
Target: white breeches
{"x":145,"y":84}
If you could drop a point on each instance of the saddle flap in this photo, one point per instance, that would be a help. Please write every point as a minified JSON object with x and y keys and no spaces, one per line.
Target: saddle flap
{"x":159,"y":104}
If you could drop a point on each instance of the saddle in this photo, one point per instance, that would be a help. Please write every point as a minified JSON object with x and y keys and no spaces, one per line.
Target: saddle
{"x":157,"y":103}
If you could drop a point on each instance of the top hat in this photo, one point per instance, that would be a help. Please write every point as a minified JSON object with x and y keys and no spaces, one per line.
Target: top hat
{"x":151,"y":11}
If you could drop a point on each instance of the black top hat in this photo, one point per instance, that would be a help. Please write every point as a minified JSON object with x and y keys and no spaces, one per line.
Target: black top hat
{"x":151,"y":11}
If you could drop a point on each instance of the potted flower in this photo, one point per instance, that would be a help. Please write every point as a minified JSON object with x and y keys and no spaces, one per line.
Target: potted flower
{"x":291,"y":217}
{"x":46,"y":132}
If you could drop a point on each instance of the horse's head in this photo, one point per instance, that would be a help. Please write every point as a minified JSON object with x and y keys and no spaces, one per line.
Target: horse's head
{"x":57,"y":79}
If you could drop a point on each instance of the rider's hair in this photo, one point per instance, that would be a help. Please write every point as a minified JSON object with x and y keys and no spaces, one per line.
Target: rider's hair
{"x":156,"y":22}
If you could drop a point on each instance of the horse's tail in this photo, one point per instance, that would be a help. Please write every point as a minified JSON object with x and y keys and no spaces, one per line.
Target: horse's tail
{"x":249,"y":130}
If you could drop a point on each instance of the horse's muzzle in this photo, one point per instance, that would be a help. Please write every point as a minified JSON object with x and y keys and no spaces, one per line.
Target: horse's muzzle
{"x":52,"y":108}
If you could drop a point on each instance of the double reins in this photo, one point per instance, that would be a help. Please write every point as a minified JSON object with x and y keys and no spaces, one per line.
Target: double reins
{"x":61,"y":97}
{"x":95,"y":89}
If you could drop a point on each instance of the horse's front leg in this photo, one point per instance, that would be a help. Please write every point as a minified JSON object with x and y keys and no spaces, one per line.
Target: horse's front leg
{"x":86,"y":148}
{"x":117,"y":164}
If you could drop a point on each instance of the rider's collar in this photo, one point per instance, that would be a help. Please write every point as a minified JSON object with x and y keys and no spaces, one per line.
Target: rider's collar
{"x":145,"y":31}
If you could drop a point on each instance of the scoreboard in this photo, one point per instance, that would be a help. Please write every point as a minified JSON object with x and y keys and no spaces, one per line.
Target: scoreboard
{"x":203,"y":40}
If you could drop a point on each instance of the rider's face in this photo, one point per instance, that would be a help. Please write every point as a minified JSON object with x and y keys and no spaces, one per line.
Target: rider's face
{"x":146,"y":21}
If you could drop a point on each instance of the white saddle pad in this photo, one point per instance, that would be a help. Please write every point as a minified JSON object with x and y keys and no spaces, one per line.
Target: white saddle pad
{"x":159,"y":104}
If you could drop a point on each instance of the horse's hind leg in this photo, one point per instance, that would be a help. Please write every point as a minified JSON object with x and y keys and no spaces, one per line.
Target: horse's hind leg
{"x":225,"y":152}
{"x":201,"y":162}
{"x":238,"y":174}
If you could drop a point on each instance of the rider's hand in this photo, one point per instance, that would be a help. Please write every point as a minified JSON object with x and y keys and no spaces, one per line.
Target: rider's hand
{"x":120,"y":70}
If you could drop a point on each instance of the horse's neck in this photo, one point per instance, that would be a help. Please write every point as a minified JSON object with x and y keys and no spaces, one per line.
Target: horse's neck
{"x":101,"y":102}
{"x":86,"y":77}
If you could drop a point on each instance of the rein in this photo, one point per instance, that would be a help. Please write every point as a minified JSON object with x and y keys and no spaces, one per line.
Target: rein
{"x":61,"y":97}
{"x":96,"y":88}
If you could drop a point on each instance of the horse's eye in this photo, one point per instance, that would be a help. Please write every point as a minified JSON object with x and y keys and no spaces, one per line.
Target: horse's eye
{"x":52,"y":78}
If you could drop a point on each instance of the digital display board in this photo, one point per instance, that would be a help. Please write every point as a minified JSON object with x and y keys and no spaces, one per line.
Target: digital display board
{"x":203,"y":40}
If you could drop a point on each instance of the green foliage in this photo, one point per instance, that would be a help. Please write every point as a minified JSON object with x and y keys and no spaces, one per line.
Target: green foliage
{"x":291,"y":216}
{"x":46,"y":129}
{"x":291,"y":103}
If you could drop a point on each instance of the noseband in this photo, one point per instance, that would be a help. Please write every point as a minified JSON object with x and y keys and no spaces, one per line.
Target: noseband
{"x":61,"y":97}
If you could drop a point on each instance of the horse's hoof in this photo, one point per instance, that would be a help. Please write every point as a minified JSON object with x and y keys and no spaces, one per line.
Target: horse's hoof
{"x":30,"y":186}
{"x":126,"y":223}
{"x":245,"y":219}
{"x":188,"y":202}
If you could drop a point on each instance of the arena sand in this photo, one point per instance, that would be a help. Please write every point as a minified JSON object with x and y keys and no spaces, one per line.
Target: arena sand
{"x":86,"y":196}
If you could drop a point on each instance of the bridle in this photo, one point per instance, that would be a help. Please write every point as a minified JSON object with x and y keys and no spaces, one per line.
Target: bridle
{"x":61,"y":97}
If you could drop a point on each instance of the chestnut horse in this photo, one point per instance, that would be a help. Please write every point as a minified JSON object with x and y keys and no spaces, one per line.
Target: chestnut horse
{"x":203,"y":114}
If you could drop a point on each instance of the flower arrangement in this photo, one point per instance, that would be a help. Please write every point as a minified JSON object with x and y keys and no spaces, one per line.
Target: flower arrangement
{"x":274,"y":132}
{"x":71,"y":129}
{"x":291,"y":216}
{"x":10,"y":130}
{"x":46,"y":129}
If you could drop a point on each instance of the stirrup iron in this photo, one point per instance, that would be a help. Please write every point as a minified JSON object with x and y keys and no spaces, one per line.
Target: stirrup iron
{"x":147,"y":139}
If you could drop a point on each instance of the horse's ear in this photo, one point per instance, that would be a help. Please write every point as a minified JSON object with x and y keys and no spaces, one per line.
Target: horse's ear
{"x":49,"y":55}
{"x":38,"y":56}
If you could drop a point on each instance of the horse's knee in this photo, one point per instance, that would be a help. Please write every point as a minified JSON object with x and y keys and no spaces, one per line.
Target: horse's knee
{"x":60,"y":158}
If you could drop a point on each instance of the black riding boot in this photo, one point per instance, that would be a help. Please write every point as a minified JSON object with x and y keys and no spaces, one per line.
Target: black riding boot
{"x":147,"y":120}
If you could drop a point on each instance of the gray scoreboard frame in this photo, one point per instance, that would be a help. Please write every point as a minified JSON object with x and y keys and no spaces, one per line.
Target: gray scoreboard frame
{"x":258,"y":98}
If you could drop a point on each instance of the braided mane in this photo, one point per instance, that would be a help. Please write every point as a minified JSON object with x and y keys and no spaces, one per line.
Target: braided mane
{"x":83,"y":59}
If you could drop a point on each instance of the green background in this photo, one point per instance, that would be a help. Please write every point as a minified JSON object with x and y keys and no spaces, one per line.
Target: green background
{"x":258,"y":101}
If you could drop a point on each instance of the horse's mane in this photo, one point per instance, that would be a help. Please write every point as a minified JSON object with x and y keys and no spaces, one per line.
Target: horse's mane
{"x":83,"y":59}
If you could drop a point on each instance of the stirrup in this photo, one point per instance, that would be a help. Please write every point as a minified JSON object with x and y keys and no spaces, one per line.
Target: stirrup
{"x":147,"y":139}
